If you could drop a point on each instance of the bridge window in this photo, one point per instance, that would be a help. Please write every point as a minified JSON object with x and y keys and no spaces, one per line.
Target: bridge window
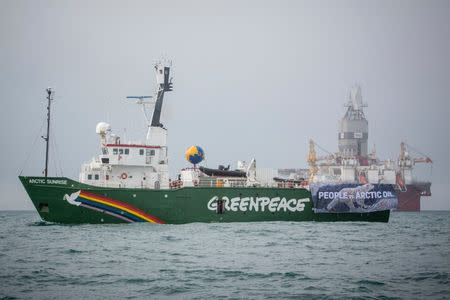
{"x":127,"y":151}
{"x":141,"y":151}
{"x":89,"y":176}
{"x":105,"y":151}
{"x":115,"y":151}
{"x":150,"y":152}
{"x":107,"y":177}
{"x":120,"y":151}
{"x":96,"y":177}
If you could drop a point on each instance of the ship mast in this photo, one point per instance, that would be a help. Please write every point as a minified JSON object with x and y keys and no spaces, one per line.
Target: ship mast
{"x":164,"y":84}
{"x":50,"y":94}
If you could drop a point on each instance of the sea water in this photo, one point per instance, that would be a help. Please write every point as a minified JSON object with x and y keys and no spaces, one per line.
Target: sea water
{"x":407,"y":258}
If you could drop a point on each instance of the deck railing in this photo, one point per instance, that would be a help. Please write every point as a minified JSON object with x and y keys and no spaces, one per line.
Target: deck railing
{"x":236,"y":182}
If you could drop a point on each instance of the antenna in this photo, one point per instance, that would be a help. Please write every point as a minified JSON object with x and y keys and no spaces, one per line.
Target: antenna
{"x":164,"y":84}
{"x":50,"y":94}
{"x":140,"y":100}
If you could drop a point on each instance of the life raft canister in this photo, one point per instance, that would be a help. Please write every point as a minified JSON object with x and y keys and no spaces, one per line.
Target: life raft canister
{"x":124,"y":176}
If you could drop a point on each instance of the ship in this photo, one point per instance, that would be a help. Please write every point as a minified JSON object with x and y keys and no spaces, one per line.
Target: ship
{"x":353,"y":163}
{"x":129,"y":182}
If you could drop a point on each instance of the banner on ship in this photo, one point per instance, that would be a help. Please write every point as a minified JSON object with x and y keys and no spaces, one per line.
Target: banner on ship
{"x":352,"y":197}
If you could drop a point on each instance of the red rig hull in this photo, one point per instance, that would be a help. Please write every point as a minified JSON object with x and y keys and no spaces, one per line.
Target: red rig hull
{"x":409,"y":198}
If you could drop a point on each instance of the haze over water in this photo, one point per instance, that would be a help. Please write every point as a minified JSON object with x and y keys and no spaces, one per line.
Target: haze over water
{"x":252,"y":79}
{"x":407,"y":258}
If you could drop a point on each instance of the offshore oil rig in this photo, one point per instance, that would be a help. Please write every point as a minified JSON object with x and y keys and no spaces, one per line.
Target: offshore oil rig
{"x":353,"y":162}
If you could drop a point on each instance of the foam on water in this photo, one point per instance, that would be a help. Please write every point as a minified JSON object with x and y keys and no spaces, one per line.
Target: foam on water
{"x":407,"y":258}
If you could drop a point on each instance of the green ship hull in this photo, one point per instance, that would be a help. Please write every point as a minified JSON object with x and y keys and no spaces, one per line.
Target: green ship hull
{"x":62,"y":200}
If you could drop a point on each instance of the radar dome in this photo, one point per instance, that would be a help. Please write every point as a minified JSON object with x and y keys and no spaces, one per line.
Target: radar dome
{"x":195,"y":154}
{"x":102,"y":128}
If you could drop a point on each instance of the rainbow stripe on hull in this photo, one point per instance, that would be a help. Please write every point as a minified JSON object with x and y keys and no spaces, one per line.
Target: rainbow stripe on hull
{"x":114,"y":208}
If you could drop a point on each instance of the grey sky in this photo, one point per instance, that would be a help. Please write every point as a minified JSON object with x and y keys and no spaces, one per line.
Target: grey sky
{"x":253,"y":79}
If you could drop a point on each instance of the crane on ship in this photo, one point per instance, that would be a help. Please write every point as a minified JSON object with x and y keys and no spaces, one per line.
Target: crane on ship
{"x":405,"y":159}
{"x":406,"y":162}
{"x":313,"y":158}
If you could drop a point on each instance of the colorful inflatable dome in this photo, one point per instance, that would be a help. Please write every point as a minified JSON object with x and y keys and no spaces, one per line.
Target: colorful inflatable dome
{"x":195,"y":154}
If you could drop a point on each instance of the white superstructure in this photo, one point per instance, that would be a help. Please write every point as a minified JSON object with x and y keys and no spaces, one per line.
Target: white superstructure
{"x":134,"y":165}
